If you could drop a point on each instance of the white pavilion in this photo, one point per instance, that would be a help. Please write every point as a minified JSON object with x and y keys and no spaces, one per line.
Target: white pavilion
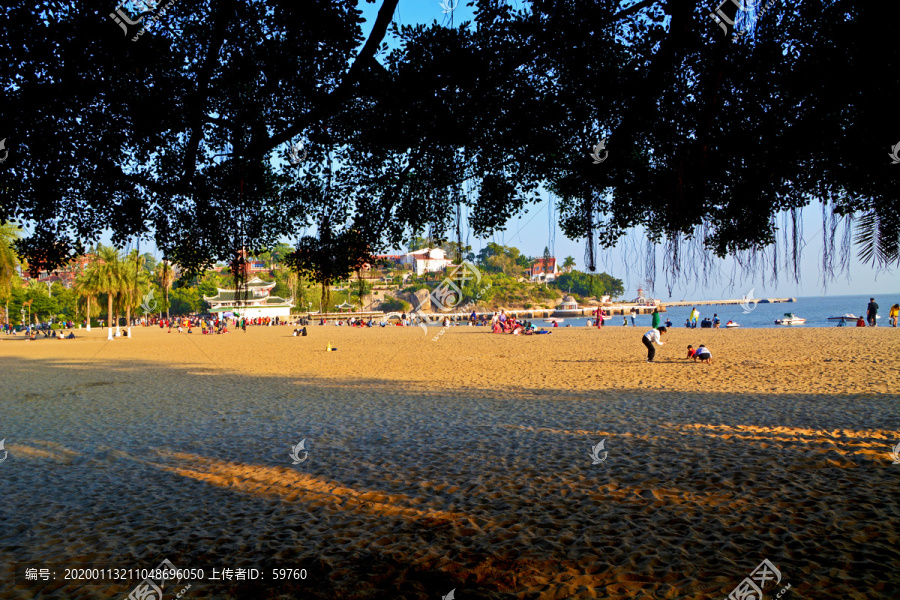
{"x":256,"y":301}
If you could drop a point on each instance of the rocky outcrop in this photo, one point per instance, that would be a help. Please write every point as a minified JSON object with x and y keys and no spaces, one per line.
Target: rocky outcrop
{"x":420,"y":300}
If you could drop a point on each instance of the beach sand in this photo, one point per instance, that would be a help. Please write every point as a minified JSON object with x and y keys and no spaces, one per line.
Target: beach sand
{"x":458,"y":464}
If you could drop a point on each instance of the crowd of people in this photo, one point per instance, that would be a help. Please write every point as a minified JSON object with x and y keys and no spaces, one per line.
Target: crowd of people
{"x":499,"y":322}
{"x":64,"y":330}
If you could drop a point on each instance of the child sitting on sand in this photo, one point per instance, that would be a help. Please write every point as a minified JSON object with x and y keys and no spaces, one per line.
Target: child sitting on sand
{"x":691,"y":352}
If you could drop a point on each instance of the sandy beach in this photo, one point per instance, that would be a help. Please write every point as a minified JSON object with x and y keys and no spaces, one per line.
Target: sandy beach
{"x":458,"y":464}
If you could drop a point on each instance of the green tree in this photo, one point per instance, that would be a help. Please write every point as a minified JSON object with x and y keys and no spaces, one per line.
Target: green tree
{"x":135,"y":284}
{"x":362,"y":288}
{"x":186,"y":300}
{"x":280,"y":251}
{"x":568,"y":264}
{"x":105,"y":277}
{"x":42,"y":305}
{"x":694,"y":158}
{"x":587,"y":285}
{"x":165,"y":276}
{"x":86,"y":287}
{"x":9,"y":264}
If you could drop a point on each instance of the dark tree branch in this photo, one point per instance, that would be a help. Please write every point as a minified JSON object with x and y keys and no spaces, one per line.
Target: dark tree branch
{"x":197,"y":107}
{"x":331,"y":103}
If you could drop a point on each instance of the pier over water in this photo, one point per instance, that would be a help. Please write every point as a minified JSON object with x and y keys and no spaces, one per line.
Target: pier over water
{"x":714,"y":302}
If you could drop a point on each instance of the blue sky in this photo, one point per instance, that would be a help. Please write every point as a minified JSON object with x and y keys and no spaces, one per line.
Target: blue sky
{"x":530,"y":232}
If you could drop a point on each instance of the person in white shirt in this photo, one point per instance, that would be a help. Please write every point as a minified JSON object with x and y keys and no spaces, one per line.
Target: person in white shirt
{"x":651,"y":337}
{"x":703,"y":354}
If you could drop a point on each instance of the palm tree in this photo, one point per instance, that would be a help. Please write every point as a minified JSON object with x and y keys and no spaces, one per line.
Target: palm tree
{"x":106,"y":279}
{"x":166,"y":276}
{"x":84,"y":287}
{"x":135,"y":283}
{"x":568,"y":264}
{"x":363,"y":289}
{"x":9,"y":262}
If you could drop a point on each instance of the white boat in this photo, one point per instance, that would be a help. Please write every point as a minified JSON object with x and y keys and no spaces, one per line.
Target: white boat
{"x":849,"y":317}
{"x":790,"y":319}
{"x":730,"y":325}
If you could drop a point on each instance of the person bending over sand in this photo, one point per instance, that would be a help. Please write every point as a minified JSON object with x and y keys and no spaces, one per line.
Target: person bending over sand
{"x":651,"y":337}
{"x":703,"y":354}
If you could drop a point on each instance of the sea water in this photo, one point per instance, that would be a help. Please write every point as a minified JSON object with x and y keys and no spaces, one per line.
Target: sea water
{"x":815,"y":309}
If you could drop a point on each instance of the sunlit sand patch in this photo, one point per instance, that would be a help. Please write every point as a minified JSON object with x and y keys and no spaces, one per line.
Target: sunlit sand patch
{"x":50,"y":451}
{"x":799,"y":431}
{"x":836,"y":440}
{"x":295,"y":486}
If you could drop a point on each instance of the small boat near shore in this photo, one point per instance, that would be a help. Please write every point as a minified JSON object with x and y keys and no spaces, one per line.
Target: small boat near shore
{"x":790,"y":319}
{"x":731,"y":325}
{"x":849,"y":317}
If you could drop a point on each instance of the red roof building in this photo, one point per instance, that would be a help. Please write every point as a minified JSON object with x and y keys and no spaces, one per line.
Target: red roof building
{"x":542,"y":269}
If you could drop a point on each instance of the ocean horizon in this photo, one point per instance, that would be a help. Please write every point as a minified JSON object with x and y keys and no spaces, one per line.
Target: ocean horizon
{"x":815,"y":309}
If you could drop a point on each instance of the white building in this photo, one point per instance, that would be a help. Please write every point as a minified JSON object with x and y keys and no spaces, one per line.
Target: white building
{"x":256,"y":301}
{"x":427,"y":260}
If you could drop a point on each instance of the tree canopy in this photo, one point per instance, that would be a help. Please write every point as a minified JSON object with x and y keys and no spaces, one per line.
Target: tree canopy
{"x":589,"y":285}
{"x":191,"y":134}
